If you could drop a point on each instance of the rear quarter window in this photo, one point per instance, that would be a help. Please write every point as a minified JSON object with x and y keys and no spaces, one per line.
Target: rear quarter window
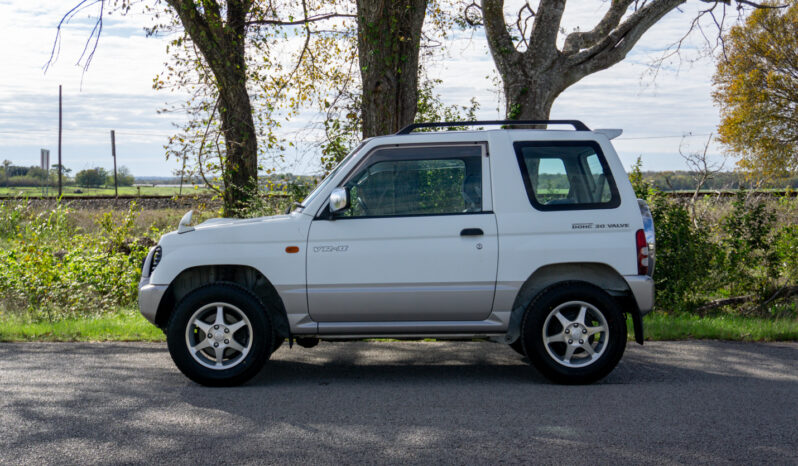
{"x":566,"y":175}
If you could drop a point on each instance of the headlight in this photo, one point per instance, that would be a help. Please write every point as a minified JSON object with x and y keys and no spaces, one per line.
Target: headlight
{"x":156,"y":258}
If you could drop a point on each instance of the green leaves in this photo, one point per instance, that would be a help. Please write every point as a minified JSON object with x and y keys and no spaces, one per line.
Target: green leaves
{"x":747,"y":247}
{"x":50,"y":269}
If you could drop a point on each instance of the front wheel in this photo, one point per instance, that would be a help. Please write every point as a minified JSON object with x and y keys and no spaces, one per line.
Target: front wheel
{"x":574,"y":333}
{"x":220,"y":335}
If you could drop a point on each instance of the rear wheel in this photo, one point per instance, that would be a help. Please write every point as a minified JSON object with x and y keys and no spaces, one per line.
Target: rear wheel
{"x":574,"y":333}
{"x":220,"y":335}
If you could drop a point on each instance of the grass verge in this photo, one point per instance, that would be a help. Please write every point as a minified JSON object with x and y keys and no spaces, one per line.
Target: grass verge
{"x":124,"y":325}
{"x":662,"y":326}
{"x":129,"y":325}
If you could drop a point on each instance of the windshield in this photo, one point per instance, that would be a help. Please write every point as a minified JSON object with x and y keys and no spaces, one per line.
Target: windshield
{"x":329,"y":177}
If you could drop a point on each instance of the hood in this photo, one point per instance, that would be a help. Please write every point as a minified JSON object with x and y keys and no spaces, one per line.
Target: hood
{"x":221,"y":221}
{"x":218,"y":231}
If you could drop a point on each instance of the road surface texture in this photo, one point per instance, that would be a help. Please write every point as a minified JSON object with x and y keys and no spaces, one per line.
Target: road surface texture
{"x":399,"y":402}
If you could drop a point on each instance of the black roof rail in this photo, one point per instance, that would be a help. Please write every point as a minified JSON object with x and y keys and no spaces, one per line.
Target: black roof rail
{"x":578,"y":125}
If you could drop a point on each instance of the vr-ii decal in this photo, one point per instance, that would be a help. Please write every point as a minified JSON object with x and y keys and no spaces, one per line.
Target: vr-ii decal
{"x":342,"y":248}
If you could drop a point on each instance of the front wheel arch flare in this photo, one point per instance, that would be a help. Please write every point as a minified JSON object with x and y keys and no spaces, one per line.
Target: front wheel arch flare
{"x":243,"y":275}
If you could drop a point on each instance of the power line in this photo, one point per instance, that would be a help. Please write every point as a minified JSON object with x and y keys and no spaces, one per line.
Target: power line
{"x":83,"y":131}
{"x":690,"y":135}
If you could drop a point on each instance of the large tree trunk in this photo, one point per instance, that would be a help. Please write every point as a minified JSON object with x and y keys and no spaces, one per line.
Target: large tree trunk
{"x":389,"y":33}
{"x":222,"y":43}
{"x":529,"y":97}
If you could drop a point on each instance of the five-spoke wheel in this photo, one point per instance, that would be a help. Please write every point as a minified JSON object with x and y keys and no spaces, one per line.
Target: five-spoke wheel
{"x":574,"y":332}
{"x":220,"y":334}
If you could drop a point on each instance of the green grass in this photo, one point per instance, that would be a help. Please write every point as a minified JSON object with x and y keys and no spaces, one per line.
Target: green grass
{"x":68,"y":191}
{"x":125,"y":325}
{"x":662,"y":326}
{"x":129,"y":325}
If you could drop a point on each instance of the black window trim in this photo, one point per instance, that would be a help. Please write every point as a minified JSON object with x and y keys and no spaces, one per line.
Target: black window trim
{"x":615,"y":198}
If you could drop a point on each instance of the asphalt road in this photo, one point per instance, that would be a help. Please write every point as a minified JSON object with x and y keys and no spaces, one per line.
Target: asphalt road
{"x":425,"y":403}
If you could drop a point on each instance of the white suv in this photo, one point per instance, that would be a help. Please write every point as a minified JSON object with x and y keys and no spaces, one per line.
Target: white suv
{"x":533,"y":238}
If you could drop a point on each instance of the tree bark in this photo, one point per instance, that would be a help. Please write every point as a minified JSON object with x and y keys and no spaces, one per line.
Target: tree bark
{"x":389,"y":33}
{"x":534,"y":78}
{"x":222,"y":43}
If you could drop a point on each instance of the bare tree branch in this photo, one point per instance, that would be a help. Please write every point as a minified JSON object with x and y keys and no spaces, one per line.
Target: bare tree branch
{"x":499,"y":39}
{"x":95,"y":33}
{"x":522,"y":24}
{"x":702,"y":170}
{"x":546,"y":27}
{"x":472,"y":14}
{"x":579,"y":40}
{"x":615,"y":45}
{"x":305,"y":20}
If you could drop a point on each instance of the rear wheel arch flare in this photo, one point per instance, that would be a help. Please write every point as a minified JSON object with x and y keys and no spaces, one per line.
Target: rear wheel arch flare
{"x":594,"y":273}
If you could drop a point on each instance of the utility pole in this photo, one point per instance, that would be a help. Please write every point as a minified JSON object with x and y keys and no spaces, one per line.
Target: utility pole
{"x":113,"y":154}
{"x":182,"y":172}
{"x":60,"y":167}
{"x":44,"y":163}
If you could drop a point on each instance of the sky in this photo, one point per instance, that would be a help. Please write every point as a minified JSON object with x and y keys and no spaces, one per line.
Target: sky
{"x":659,"y":116}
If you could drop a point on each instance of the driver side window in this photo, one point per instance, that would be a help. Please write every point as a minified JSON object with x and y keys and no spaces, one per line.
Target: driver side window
{"x":417,"y":181}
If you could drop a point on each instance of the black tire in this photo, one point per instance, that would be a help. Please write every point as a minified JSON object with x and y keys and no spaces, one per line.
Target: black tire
{"x":554,"y":362}
{"x":277,"y":342}
{"x":256,"y":338}
{"x":518,"y":346}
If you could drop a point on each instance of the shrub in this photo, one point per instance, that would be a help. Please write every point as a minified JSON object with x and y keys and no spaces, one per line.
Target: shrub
{"x":746,"y":249}
{"x":786,"y":251}
{"x":51,"y":270}
{"x":748,"y":258}
{"x":684,"y":255}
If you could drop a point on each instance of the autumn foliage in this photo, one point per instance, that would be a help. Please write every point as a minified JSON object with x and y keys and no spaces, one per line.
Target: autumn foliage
{"x":757,"y":92}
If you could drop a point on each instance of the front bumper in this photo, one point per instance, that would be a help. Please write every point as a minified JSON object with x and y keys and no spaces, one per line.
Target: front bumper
{"x":642,"y":287}
{"x":149,"y":299}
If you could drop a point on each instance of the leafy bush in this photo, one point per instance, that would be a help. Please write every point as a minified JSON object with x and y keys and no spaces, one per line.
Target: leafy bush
{"x":58,"y":263}
{"x":684,"y":255}
{"x":741,"y":249}
{"x":786,"y":250}
{"x":50,"y":270}
{"x":748,"y":259}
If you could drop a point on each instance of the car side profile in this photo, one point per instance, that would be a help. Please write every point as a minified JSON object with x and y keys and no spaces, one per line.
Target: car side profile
{"x":527,"y":237}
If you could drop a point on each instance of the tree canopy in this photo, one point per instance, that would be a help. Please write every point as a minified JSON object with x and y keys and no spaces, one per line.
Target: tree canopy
{"x":91,"y":177}
{"x":757,"y":92}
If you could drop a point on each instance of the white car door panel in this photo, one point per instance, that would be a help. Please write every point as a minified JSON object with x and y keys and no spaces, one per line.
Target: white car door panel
{"x":402,"y":268}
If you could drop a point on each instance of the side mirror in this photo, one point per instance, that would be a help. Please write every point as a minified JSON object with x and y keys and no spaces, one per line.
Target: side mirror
{"x":339,"y":200}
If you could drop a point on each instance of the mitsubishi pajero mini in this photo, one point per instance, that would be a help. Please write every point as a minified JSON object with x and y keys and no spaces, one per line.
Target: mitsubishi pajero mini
{"x":528,"y":237}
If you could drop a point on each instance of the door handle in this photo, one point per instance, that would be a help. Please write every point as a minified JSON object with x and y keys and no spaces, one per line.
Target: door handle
{"x":472,"y":232}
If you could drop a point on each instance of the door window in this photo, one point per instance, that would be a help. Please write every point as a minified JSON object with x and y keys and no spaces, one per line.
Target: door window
{"x":566,"y":175}
{"x":417,"y":181}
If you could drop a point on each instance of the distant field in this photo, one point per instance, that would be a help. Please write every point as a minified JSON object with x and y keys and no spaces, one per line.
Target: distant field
{"x":31,"y":191}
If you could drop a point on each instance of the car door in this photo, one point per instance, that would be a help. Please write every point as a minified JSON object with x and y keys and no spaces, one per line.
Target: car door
{"x":418,"y":242}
